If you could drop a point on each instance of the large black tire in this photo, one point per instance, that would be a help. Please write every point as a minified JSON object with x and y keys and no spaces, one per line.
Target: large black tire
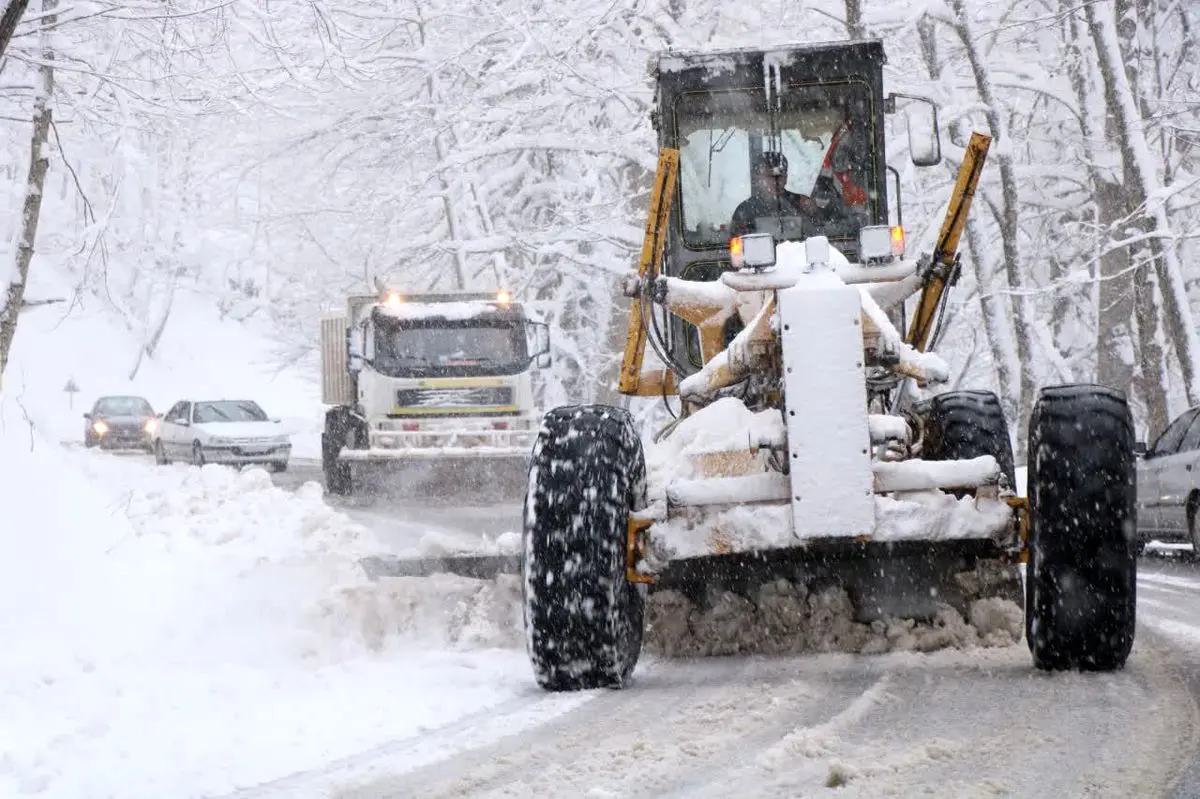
{"x":583,"y":619}
{"x":340,"y":430}
{"x":967,"y":424}
{"x":1081,"y":585}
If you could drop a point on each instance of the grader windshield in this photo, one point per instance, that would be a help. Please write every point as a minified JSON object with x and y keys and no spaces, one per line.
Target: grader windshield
{"x":824,"y":132}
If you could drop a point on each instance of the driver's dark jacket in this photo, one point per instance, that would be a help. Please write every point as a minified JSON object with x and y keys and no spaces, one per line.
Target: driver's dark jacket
{"x":788,"y":203}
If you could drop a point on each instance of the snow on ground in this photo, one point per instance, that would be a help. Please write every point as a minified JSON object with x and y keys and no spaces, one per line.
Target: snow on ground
{"x":182,"y":631}
{"x":199,"y":355}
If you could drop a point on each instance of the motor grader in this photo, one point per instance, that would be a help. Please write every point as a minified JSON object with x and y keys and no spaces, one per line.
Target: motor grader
{"x":811,"y":441}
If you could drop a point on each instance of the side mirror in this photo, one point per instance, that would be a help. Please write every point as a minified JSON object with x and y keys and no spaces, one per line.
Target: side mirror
{"x":184,"y":422}
{"x":1139,"y":449}
{"x":541,"y":339}
{"x":924,"y":138}
{"x":87,"y":415}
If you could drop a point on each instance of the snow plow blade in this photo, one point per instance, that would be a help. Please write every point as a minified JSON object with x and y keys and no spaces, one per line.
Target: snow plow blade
{"x":479,"y":567}
{"x":904,"y":579}
{"x":461,"y":475}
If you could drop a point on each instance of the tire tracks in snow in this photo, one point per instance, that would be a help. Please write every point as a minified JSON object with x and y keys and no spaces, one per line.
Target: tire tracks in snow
{"x":961,"y":724}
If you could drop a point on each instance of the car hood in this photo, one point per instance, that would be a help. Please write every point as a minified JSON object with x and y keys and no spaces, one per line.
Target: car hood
{"x":242,"y":429}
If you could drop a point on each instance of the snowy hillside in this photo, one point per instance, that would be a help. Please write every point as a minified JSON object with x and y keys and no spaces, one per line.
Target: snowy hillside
{"x":199,"y":356}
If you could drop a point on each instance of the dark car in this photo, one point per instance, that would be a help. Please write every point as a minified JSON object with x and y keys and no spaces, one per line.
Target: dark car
{"x":120,"y":423}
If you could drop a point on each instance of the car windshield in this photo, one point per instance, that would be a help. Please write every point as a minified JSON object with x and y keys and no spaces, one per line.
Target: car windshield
{"x":445,"y":348}
{"x":228,"y":411}
{"x":123,"y":406}
{"x":824,"y":133}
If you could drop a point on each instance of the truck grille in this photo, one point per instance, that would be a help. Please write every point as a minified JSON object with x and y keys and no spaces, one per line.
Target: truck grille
{"x":453,"y":397}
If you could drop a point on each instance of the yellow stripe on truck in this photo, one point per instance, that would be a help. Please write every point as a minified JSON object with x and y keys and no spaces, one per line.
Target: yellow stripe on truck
{"x":452,"y":410}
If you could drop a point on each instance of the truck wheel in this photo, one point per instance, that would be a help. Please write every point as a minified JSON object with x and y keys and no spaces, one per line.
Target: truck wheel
{"x":967,"y":424}
{"x":1080,"y":601}
{"x":337,"y":434}
{"x":583,"y":619}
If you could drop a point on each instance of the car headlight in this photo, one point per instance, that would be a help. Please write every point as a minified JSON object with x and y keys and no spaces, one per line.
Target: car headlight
{"x":101,"y":427}
{"x":150,"y":426}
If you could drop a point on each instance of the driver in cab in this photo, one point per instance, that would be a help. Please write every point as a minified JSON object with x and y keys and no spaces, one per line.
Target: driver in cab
{"x":769,"y":197}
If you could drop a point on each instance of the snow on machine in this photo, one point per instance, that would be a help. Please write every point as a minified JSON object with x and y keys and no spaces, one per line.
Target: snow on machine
{"x":812,"y":461}
{"x":431,"y":395}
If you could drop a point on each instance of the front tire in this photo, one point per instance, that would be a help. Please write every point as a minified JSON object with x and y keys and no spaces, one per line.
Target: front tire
{"x":279,"y":466}
{"x":583,"y":619}
{"x":197,"y":454}
{"x":160,"y":454}
{"x":1081,"y":600}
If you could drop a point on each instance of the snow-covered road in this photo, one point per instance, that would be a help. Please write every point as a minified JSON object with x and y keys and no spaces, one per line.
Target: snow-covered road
{"x":950,"y":724}
{"x":953,"y":723}
{"x":265,"y":665}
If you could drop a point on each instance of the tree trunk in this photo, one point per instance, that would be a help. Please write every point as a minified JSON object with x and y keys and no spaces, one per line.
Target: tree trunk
{"x":1142,"y":186}
{"x":995,"y":311}
{"x":13,"y":11}
{"x":1115,"y":344}
{"x":855,"y":28}
{"x":1008,"y":217}
{"x":14,"y":296}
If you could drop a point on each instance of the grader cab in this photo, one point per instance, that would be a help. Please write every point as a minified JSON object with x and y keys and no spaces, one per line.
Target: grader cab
{"x":781,"y":306}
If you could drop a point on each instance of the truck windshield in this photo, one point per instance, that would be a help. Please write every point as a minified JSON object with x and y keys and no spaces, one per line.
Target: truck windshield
{"x":449,"y":348}
{"x":823,"y":132}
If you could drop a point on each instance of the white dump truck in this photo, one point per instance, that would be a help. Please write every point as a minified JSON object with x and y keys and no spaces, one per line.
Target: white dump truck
{"x":431,"y":394}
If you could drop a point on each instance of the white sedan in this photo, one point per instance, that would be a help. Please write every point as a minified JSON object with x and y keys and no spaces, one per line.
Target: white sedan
{"x":221,"y":431}
{"x":1168,"y":484}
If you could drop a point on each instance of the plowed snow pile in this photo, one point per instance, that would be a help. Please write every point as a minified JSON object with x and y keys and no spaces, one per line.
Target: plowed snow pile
{"x":180,"y":631}
{"x":786,"y":619}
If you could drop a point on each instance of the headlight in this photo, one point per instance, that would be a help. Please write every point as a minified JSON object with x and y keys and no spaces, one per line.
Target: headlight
{"x":100,"y":426}
{"x":151,"y":425}
{"x":752,"y":251}
{"x":880,"y":243}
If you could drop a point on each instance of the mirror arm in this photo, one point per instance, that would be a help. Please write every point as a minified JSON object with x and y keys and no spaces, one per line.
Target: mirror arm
{"x":899,"y":213}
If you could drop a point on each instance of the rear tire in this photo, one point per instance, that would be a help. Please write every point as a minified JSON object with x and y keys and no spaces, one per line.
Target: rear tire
{"x":583,"y":619}
{"x":968,"y":424}
{"x":1081,"y":600}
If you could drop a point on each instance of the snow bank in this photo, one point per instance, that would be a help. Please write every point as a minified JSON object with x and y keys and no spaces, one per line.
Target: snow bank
{"x":181,"y":631}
